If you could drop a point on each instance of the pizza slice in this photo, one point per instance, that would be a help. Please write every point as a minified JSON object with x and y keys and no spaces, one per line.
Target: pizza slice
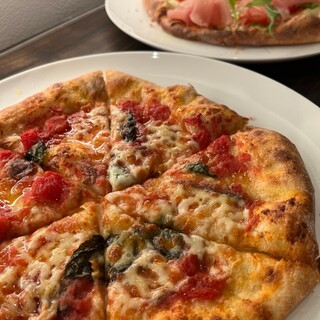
{"x":54,"y":149}
{"x":159,"y":273}
{"x":153,"y":126}
{"x":64,"y":129}
{"x":249,"y":190}
{"x":239,"y":22}
{"x":56,"y":272}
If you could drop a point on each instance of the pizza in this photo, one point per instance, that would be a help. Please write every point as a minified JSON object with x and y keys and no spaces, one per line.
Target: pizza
{"x":158,"y":273}
{"x":123,"y":199}
{"x":239,"y":22}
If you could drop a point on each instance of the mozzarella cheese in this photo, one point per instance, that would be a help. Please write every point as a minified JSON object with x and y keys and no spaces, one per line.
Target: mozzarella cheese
{"x":33,"y":275}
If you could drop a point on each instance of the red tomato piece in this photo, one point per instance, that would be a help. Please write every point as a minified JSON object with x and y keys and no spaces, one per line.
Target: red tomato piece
{"x":75,"y":303}
{"x":203,"y":137}
{"x":4,"y":220}
{"x":30,"y":137}
{"x":56,"y":125}
{"x":202,"y":286}
{"x":221,"y":145}
{"x":48,"y":188}
{"x":6,"y":155}
{"x":135,"y":108}
{"x":255,"y":15}
{"x":157,"y":111}
{"x":190,"y":265}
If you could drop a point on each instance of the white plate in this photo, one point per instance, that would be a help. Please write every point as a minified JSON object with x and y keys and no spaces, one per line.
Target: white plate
{"x":131,"y":18}
{"x":271,"y":104}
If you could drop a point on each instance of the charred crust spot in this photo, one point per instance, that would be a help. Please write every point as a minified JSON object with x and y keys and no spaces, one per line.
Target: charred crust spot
{"x":266,"y":212}
{"x":298,"y":232}
{"x":258,"y":132}
{"x":292,"y":201}
{"x":282,"y":208}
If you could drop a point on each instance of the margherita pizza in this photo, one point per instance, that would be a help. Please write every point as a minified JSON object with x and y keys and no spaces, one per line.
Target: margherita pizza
{"x":121,"y":199}
{"x":239,"y":22}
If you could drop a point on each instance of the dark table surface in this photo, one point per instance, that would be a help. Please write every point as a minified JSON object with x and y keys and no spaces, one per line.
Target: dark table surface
{"x":95,"y":33}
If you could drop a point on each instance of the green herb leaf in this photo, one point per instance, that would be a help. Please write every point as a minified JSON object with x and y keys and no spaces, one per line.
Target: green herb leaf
{"x":36,"y":152}
{"x":79,"y":264}
{"x":201,"y":168}
{"x":272,"y":11}
{"x":169,"y":243}
{"x":128,"y":130}
{"x":232,"y":4}
{"x":311,"y":5}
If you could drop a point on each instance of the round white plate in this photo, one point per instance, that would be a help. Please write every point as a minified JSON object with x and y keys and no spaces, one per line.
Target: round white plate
{"x":269,"y":104}
{"x":131,"y":18}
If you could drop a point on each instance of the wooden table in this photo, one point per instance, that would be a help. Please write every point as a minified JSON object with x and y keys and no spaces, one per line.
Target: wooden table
{"x":95,"y":33}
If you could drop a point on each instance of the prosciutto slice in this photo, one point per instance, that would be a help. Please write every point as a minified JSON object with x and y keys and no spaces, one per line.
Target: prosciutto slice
{"x":204,"y":13}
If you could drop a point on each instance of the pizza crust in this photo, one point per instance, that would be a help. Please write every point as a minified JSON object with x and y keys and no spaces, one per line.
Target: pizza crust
{"x":67,"y":96}
{"x":301,"y":28}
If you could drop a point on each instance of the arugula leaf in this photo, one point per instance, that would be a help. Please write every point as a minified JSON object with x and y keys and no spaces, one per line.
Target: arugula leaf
{"x":201,"y":168}
{"x":232,"y":4}
{"x":36,"y":152}
{"x":272,"y":11}
{"x":79,"y":265}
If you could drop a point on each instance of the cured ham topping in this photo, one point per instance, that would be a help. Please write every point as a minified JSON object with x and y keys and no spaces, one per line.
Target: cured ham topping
{"x":206,"y":13}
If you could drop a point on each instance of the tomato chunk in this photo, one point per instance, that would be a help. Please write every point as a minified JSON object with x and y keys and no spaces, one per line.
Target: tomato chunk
{"x":48,"y":188}
{"x":190,"y":265}
{"x":75,"y":302}
{"x":201,"y":286}
{"x":30,"y":137}
{"x":56,"y":125}
{"x":158,"y":111}
{"x":6,"y":155}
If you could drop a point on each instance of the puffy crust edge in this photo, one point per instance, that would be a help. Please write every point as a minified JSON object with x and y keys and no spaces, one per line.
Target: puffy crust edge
{"x":69,"y":96}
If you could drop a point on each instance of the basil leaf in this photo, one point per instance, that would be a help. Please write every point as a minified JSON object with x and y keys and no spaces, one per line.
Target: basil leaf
{"x":128,"y":131}
{"x":36,"y":152}
{"x":79,"y":265}
{"x":121,"y":251}
{"x":201,"y":168}
{"x":169,"y":243}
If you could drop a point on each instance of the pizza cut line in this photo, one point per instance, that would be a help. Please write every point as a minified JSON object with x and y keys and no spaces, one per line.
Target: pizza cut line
{"x":238,"y":22}
{"x":121,"y":199}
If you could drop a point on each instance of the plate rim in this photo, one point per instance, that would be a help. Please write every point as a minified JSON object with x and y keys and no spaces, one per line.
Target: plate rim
{"x":314,"y":310}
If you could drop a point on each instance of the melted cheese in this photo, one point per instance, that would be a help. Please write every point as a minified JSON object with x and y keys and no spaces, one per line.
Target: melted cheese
{"x":150,"y":289}
{"x":86,"y":129}
{"x":212,"y":213}
{"x":34,"y":280}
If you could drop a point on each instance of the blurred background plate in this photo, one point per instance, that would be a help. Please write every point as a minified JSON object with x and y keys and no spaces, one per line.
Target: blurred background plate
{"x":131,"y":18}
